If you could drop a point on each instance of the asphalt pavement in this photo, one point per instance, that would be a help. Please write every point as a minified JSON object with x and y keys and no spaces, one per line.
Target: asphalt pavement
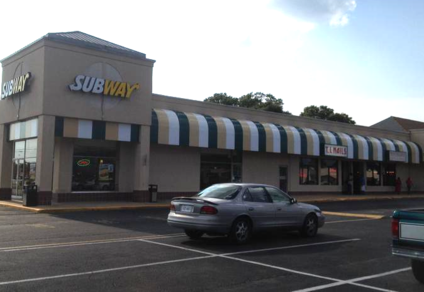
{"x":135,"y":250}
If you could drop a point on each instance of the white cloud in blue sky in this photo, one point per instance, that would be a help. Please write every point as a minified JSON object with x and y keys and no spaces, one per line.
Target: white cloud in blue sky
{"x":334,"y":12}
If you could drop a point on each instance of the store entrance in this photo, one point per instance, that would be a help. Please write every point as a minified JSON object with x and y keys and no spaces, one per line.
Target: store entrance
{"x":18,"y":175}
{"x":220,"y":168}
{"x":358,"y":177}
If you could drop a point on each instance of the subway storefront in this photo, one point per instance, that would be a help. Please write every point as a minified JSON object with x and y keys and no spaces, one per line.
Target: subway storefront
{"x":79,"y":120}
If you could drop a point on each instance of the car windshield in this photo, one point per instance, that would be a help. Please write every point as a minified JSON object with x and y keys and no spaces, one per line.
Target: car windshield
{"x":226,"y":192}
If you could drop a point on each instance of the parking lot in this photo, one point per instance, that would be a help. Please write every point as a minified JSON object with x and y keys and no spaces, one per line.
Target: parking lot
{"x":137,"y":251}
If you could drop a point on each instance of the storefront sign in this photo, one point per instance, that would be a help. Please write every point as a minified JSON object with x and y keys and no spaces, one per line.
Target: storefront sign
{"x":334,"y":150}
{"x":17,"y":85}
{"x":397,"y":156}
{"x":83,"y":162}
{"x":103,"y":86}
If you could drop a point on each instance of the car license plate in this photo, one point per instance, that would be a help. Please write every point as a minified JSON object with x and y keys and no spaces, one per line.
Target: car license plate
{"x":187,"y":209}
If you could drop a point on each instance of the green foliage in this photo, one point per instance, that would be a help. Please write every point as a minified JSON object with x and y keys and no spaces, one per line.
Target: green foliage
{"x":222,"y":98}
{"x":257,"y":100}
{"x":325,"y":113}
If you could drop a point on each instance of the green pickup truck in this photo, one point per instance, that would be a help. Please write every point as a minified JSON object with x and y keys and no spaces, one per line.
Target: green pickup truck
{"x":408,"y":239}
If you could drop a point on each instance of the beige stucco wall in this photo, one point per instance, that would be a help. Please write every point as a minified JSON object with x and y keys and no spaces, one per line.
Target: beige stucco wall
{"x":63,"y":159}
{"x":6,"y":153}
{"x":29,"y":103}
{"x":59,"y":100}
{"x":175,"y":169}
{"x":45,"y":153}
{"x":263,"y":168}
{"x":126,"y":164}
{"x":141,"y":160}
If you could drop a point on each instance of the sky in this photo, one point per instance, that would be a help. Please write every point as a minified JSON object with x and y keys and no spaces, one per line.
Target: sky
{"x":360,"y":57}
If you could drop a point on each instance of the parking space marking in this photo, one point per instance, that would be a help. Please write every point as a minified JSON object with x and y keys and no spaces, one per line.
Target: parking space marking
{"x":344,"y":221}
{"x":102,"y":271}
{"x":227,"y":256}
{"x":82,"y":243}
{"x":291,"y":246}
{"x":206,"y":256}
{"x":342,"y":214}
{"x":353,"y":281}
{"x":178,"y":247}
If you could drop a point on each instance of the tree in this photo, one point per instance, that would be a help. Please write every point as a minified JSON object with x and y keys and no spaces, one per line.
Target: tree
{"x":325,"y":113}
{"x":257,"y":100}
{"x":222,"y":98}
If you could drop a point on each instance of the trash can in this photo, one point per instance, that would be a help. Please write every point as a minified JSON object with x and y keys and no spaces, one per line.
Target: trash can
{"x":153,"y":190}
{"x":29,"y":197}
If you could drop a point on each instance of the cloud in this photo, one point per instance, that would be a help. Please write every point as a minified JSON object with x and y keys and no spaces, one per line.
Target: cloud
{"x":334,"y":12}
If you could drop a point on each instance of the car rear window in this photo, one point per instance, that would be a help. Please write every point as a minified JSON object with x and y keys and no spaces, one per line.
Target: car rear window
{"x":226,"y":192}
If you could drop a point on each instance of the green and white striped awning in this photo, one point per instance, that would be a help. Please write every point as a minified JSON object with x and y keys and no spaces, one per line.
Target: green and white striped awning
{"x":197,"y":130}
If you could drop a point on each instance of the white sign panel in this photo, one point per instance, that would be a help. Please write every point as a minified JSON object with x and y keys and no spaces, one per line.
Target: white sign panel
{"x":397,"y":156}
{"x":335,"y":150}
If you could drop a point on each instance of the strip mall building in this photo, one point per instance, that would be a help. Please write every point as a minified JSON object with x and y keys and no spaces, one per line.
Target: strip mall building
{"x":78,"y":118}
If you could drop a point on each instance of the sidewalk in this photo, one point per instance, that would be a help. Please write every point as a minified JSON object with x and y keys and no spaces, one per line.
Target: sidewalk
{"x":117,"y":205}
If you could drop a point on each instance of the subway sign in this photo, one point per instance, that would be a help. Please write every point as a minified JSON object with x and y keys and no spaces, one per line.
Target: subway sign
{"x":335,"y":150}
{"x":17,"y":85}
{"x":103,"y":86}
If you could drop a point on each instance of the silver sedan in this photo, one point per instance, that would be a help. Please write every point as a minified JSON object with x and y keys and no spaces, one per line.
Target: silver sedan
{"x":238,"y":210}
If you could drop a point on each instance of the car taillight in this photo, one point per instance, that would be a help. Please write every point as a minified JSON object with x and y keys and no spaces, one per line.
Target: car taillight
{"x":172,"y":207}
{"x":208,"y":210}
{"x":395,"y":228}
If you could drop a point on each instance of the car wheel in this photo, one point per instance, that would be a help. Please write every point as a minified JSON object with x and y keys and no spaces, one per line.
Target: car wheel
{"x":418,"y":270}
{"x":241,"y":231}
{"x":310,"y":226}
{"x":194,"y":234}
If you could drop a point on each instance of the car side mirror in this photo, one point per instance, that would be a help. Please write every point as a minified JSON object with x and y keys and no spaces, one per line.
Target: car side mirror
{"x":293,"y":201}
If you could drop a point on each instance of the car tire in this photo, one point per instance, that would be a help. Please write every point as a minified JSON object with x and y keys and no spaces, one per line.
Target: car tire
{"x":310,"y":226}
{"x":418,"y":270}
{"x":241,"y":231}
{"x":194,"y":234}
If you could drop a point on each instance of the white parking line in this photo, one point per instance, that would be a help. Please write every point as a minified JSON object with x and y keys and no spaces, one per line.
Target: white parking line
{"x":353,"y":281}
{"x":292,"y":246}
{"x":101,"y":271}
{"x":178,"y":247}
{"x":208,"y":255}
{"x":83,"y":243}
{"x":227,"y":256}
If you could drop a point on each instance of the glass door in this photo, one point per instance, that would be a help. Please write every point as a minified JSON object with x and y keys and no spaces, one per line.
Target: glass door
{"x":284,"y":179}
{"x":18,"y":176}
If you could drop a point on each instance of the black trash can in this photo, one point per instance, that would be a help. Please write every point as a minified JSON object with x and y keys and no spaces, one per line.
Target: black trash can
{"x":153,"y":190}
{"x":29,"y":197}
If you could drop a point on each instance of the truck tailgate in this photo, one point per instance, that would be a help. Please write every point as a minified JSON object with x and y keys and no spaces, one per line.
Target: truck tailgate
{"x":411,"y":231}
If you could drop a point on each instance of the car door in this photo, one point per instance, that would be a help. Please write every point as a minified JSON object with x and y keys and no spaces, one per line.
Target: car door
{"x":259,"y":207}
{"x":287,"y":214}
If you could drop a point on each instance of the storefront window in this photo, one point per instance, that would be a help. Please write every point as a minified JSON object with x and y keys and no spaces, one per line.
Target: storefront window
{"x":94,"y":169}
{"x":220,"y":168}
{"x":308,"y":171}
{"x":23,"y":166}
{"x":389,"y":174}
{"x":329,"y":172}
{"x":19,"y":149}
{"x":373,"y":174}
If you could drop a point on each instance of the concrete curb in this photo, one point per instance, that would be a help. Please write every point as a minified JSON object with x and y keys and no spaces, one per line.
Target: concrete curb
{"x":53,"y":210}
